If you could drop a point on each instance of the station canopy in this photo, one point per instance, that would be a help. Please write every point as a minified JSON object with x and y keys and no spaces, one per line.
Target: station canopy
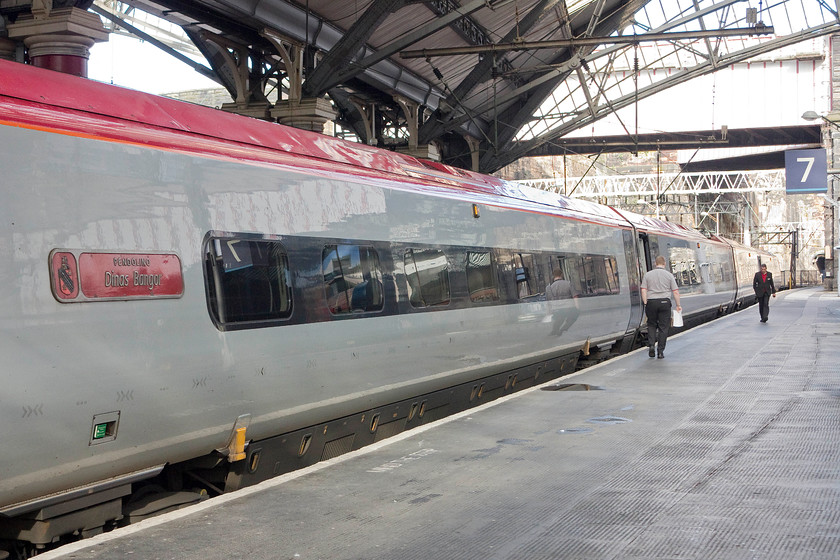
{"x":502,"y":79}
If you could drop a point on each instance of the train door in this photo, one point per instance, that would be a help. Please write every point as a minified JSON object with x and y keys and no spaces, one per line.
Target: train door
{"x":648,"y":247}
{"x":632,"y":256}
{"x":645,"y":257}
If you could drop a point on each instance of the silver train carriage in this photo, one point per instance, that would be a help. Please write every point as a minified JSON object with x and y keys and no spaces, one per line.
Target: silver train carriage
{"x":195,"y":301}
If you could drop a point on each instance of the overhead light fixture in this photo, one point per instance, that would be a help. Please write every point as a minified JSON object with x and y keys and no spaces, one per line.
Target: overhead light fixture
{"x":813,"y":115}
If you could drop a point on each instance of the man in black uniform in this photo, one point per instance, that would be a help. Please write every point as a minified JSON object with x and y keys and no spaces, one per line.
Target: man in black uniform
{"x":764,"y":287}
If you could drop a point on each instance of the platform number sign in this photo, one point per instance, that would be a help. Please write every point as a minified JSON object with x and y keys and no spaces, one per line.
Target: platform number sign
{"x":806,"y":171}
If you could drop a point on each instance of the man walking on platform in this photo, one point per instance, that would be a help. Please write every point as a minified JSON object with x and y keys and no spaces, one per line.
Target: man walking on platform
{"x":763,"y":287}
{"x":657,"y":286}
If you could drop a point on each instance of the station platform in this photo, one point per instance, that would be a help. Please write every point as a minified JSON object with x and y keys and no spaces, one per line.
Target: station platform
{"x":729,"y":448}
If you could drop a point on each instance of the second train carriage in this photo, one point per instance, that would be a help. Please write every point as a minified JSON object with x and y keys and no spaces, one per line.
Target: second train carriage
{"x":198,"y":299}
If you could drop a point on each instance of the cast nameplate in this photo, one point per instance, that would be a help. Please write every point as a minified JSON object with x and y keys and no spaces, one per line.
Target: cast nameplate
{"x":77,"y":276}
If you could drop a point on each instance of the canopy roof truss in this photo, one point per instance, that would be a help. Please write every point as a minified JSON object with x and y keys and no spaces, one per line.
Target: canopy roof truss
{"x":504,"y":90}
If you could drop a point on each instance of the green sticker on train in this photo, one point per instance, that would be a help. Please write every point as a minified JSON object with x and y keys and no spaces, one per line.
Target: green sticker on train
{"x":100,"y":431}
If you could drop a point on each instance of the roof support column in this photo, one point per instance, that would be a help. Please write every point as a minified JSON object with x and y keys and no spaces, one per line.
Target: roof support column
{"x":310,"y":113}
{"x":291,"y":52}
{"x":368,"y":117}
{"x":474,"y":145}
{"x":59,"y":39}
{"x":412,"y":110}
{"x":248,"y":97}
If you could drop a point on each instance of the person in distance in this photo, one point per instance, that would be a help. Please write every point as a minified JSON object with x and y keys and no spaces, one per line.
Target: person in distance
{"x":764,"y":287}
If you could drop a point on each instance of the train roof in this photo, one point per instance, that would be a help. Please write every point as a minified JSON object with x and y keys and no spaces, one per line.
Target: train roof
{"x":48,"y":100}
{"x":752,"y":250}
{"x":648,"y":224}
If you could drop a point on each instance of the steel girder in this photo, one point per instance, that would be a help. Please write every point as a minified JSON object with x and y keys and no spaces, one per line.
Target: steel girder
{"x":653,"y":185}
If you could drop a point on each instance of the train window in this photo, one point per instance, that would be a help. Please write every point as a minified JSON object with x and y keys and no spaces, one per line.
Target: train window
{"x":611,"y":285}
{"x":532,"y":275}
{"x":684,"y":266}
{"x":591,"y":275}
{"x":481,"y":279}
{"x":352,"y":278}
{"x":248,"y":281}
{"x":427,"y":273}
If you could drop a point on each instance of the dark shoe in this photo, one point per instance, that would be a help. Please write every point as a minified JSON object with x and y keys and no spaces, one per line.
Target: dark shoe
{"x":651,"y":352}
{"x":661,"y":355}
{"x":764,"y":320}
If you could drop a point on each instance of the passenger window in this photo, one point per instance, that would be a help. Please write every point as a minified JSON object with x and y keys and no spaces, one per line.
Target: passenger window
{"x":572,"y":266}
{"x":427,"y":273}
{"x":592,"y":275}
{"x":610,"y":271}
{"x":352,"y":279}
{"x":684,"y":266}
{"x":533,"y":273}
{"x":481,"y":279}
{"x":248,"y":281}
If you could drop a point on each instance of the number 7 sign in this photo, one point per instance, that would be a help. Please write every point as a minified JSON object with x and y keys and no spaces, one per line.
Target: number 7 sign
{"x":806,"y":171}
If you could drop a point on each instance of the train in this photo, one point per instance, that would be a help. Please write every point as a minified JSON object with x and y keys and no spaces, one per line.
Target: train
{"x":195,"y":301}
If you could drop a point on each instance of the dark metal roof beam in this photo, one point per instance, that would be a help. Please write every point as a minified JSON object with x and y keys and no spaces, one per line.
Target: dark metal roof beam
{"x":332,"y":79}
{"x":482,"y":71}
{"x":734,"y":138}
{"x":513,"y":119}
{"x":354,"y":40}
{"x":195,"y":11}
{"x":587,"y":41}
{"x":245,"y":21}
{"x":518,"y":114}
{"x":212,"y":54}
{"x":559,"y":73}
{"x":469,"y":29}
{"x":352,"y":116}
{"x":197,"y":66}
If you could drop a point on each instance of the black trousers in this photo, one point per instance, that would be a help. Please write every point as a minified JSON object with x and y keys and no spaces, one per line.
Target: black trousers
{"x":764,"y":305}
{"x":658,"y":313}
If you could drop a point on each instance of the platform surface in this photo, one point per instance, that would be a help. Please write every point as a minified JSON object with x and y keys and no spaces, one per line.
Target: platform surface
{"x":729,"y":448}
